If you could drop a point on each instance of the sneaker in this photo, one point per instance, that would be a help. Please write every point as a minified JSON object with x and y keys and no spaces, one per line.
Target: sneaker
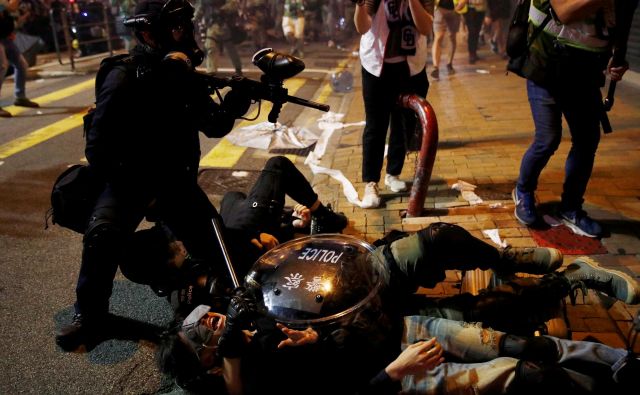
{"x":532,"y":260}
{"x":619,"y":285}
{"x":450,"y":69}
{"x":494,"y":46}
{"x":525,"y":210}
{"x":4,"y":113}
{"x":435,"y":74}
{"x":80,"y":332}
{"x":24,"y":102}
{"x":394,"y":184}
{"x":371,"y":197}
{"x":327,"y":221}
{"x":580,"y":223}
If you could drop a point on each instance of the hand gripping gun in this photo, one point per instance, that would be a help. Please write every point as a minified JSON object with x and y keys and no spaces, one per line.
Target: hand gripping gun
{"x":276,"y":67}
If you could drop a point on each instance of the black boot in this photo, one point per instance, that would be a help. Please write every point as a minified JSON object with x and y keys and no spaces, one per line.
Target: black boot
{"x":82,"y":331}
{"x":325,"y":220}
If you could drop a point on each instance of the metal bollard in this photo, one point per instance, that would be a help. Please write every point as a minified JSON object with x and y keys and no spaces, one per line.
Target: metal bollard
{"x":428,"y":149}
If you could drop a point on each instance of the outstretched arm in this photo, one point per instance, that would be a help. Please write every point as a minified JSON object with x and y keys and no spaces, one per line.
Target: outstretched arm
{"x":417,"y":358}
{"x":297,"y":338}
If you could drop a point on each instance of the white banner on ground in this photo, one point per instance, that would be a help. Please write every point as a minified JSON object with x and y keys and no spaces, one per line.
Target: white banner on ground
{"x":267,"y":135}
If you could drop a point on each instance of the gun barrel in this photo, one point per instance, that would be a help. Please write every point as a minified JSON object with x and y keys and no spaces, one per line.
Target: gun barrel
{"x":308,"y":103}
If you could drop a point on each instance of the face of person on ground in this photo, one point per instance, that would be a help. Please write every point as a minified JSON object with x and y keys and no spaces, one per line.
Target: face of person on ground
{"x":201,"y":331}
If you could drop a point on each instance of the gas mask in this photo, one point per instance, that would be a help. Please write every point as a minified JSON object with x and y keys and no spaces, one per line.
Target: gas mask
{"x":170,"y":24}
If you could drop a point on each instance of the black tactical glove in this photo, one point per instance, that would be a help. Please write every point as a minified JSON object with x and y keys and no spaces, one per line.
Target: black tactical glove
{"x":178,"y":62}
{"x":236,"y":103}
{"x":240,"y":315}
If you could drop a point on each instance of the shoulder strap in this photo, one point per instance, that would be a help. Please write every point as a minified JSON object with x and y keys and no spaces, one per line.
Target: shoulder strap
{"x":540,"y":27}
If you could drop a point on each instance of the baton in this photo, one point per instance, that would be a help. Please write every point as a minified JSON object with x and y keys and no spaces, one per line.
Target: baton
{"x":225,"y":253}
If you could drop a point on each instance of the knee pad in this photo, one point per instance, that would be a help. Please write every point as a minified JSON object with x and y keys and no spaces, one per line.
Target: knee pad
{"x":102,"y":235}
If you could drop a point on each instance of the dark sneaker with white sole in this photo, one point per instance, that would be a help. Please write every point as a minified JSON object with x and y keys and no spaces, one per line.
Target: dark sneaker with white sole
{"x":525,"y":210}
{"x":580,"y":223}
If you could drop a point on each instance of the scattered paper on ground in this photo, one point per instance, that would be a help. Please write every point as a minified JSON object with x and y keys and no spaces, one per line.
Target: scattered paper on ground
{"x":494,"y":235}
{"x":240,"y":173}
{"x":467,"y":191}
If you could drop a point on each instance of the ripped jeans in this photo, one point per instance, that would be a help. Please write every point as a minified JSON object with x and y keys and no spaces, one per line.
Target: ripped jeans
{"x":481,"y":369}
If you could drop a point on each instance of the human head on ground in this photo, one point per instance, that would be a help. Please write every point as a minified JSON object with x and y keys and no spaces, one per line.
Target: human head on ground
{"x":167,"y":26}
{"x":188,"y":351}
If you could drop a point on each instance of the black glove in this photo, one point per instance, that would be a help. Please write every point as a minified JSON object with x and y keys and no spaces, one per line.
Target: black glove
{"x":178,"y":62}
{"x":236,"y":103}
{"x":240,"y":315}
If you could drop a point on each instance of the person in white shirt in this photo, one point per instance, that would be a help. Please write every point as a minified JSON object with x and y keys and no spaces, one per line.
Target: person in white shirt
{"x":393,"y":55}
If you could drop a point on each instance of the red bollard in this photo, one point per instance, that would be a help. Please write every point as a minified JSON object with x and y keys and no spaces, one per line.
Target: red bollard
{"x":427,"y":156}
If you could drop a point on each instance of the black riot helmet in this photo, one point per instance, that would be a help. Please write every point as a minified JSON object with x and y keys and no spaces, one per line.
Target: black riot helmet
{"x":316,"y":280}
{"x":162,"y":18}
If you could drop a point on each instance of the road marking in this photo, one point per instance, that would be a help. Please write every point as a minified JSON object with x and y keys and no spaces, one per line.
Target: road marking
{"x":54,"y":96}
{"x":41,"y":135}
{"x":226,"y":154}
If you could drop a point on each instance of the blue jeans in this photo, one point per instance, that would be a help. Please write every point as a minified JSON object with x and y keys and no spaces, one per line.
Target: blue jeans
{"x":481,"y":370}
{"x":582,"y":108}
{"x":10,"y":54}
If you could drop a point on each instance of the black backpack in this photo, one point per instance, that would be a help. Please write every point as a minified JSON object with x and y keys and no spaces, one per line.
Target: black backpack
{"x":518,"y":38}
{"x":74,"y":196}
{"x":76,"y":190}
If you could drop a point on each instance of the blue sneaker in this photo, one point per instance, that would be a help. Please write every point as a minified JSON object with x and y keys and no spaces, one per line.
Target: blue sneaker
{"x":580,"y":223}
{"x":525,"y":210}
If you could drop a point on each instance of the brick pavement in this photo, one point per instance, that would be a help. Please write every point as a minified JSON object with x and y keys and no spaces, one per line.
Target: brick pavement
{"x":484,"y":128}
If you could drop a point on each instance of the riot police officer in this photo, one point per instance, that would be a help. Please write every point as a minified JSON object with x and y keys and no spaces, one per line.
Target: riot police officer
{"x":143,"y":142}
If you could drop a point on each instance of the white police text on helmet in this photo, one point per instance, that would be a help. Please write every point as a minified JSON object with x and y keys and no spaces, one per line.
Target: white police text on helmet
{"x":320,"y":255}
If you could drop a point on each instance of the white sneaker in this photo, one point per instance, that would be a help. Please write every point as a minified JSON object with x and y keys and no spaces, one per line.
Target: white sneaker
{"x":395,"y":184}
{"x":371,"y":198}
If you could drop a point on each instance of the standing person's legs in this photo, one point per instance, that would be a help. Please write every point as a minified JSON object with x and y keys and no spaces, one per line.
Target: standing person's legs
{"x":211,"y":51}
{"x":581,"y":107}
{"x":377,"y":107}
{"x":299,"y":34}
{"x":547,"y":118}
{"x":20,"y":67}
{"x":403,"y":121}
{"x":4,"y":67}
{"x":439,"y":29}
{"x":105,"y":243}
{"x":4,"y":62}
{"x":232,"y":51}
{"x":452,"y":20}
{"x":473,"y":20}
